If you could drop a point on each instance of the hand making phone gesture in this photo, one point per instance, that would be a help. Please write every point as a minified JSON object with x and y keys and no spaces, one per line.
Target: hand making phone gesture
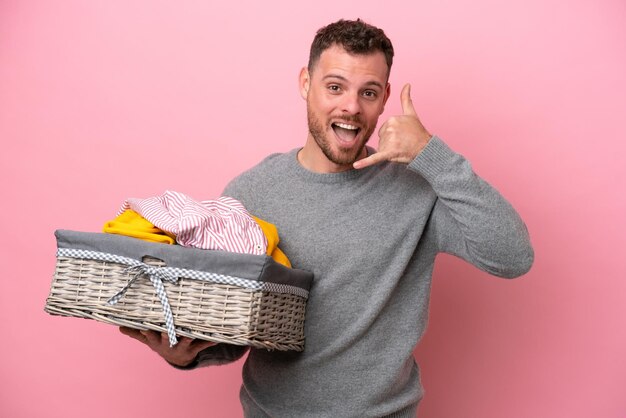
{"x":402,"y":137}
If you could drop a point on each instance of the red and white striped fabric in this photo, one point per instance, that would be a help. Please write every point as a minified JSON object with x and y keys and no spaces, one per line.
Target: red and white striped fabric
{"x":222,"y":224}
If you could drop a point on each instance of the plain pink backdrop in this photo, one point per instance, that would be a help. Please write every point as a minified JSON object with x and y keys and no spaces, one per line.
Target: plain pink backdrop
{"x":100,"y":101}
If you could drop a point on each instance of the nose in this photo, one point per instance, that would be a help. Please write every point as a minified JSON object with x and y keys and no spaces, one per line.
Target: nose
{"x":351,"y":104}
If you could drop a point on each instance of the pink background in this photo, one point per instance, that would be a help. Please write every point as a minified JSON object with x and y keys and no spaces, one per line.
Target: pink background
{"x":100,"y":101}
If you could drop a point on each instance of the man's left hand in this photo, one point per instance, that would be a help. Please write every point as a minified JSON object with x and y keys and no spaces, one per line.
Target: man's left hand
{"x":402,"y":137}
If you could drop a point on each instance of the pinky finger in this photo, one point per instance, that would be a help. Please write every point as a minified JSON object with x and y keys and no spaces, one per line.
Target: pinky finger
{"x":368,"y":161}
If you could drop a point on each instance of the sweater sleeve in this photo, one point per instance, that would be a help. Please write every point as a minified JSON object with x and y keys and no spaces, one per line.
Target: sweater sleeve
{"x":470,"y":218}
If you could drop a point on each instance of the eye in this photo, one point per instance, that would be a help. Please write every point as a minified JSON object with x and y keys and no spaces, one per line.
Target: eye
{"x":334,"y":88}
{"x":370,"y":94}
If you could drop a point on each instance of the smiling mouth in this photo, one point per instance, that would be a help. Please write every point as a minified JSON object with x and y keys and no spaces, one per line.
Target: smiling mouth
{"x":345,"y":132}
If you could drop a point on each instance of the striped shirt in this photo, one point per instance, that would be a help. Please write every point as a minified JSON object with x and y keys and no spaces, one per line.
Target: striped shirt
{"x":222,"y":224}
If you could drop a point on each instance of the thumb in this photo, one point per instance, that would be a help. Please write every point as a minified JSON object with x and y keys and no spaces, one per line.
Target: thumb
{"x":407,"y":103}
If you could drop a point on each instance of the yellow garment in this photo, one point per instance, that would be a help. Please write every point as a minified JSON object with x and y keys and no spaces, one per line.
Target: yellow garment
{"x":132,"y":224}
{"x":271,"y":233}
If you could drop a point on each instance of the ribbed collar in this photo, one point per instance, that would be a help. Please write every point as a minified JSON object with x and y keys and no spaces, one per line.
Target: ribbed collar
{"x":328,"y":178}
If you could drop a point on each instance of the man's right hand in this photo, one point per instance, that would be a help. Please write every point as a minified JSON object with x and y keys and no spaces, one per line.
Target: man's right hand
{"x":182,"y":354}
{"x":401,"y":137}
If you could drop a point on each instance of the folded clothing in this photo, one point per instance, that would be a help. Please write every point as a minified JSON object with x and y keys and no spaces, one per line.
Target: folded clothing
{"x":132,"y":224}
{"x":222,"y":224}
{"x":271,"y":234}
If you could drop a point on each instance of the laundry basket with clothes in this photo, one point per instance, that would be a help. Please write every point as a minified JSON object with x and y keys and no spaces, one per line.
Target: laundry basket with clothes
{"x":207,"y":270}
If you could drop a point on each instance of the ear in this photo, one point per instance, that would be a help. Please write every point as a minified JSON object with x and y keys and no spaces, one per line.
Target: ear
{"x":304,"y":82}
{"x":385,"y":97}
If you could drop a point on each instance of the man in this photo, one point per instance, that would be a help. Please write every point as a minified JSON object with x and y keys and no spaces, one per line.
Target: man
{"x":368,"y":225}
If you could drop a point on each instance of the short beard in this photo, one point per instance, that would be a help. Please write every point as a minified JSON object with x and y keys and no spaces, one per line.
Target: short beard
{"x":342,"y":157}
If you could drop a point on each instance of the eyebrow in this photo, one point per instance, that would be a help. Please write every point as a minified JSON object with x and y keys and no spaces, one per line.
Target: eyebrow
{"x":342,"y":78}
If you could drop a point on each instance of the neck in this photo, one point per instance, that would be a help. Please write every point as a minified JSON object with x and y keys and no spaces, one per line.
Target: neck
{"x":313,"y":159}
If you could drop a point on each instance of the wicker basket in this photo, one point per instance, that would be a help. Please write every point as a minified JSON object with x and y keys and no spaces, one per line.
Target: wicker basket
{"x":224,"y":297}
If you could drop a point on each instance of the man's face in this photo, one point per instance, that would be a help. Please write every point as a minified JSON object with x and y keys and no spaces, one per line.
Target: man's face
{"x":345,"y":95}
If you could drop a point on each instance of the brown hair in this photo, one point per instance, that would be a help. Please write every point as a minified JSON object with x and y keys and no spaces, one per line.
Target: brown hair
{"x":355,"y":36}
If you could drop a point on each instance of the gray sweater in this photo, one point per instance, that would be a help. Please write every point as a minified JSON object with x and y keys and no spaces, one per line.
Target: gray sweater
{"x":370,"y":238}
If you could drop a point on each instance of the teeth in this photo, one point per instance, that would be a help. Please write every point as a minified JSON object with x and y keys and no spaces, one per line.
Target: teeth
{"x":346,"y":126}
